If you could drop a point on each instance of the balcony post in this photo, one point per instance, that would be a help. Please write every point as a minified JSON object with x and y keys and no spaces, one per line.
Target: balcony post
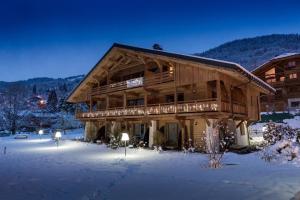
{"x":107,"y":102}
{"x":124,"y":100}
{"x":91,"y":104}
{"x":219,"y":95}
{"x":175,"y":99}
{"x":145,"y":101}
{"x":230,"y":99}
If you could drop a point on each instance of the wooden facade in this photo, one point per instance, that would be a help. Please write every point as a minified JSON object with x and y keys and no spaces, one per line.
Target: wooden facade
{"x":182,"y":96}
{"x":283,"y":73}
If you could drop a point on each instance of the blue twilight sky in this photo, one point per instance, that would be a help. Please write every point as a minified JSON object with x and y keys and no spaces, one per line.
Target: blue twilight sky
{"x":64,"y":38}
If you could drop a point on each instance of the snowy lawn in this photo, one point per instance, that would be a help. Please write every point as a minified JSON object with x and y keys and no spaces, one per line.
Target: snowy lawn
{"x":36,"y":169}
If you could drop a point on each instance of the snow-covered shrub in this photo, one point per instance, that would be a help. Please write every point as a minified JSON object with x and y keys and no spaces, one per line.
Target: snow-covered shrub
{"x":282,"y":143}
{"x":189,"y":148}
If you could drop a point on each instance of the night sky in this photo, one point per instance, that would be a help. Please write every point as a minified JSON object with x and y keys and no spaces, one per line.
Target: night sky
{"x":43,"y":38}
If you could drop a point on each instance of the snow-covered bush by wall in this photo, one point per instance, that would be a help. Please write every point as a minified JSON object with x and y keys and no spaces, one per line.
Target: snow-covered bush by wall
{"x":282,"y":144}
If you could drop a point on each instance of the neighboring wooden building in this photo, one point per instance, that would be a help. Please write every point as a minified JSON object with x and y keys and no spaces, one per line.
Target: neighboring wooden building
{"x":283,"y":73}
{"x":145,"y":91}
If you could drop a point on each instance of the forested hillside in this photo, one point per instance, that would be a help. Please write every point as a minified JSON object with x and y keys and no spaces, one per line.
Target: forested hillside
{"x":252,"y":52}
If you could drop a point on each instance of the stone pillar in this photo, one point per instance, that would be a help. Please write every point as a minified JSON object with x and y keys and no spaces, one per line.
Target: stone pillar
{"x":242,"y":134}
{"x":212,"y":136}
{"x":152,"y":130}
{"x":90,"y":132}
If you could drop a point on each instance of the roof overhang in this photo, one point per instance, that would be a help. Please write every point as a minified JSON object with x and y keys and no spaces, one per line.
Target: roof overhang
{"x":212,"y":63}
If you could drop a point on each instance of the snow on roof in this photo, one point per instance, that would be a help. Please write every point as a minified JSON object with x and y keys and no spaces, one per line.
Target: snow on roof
{"x":281,"y":56}
{"x":285,"y":55}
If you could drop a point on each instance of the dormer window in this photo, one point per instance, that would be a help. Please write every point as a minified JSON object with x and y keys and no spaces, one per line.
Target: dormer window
{"x":270,"y":76}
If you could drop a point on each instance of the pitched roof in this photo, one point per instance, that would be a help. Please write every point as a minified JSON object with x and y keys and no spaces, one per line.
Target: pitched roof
{"x":280,"y":57}
{"x":198,"y":59}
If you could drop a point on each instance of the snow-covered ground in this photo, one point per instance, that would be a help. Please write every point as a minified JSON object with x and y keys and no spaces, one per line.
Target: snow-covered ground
{"x":36,"y":169}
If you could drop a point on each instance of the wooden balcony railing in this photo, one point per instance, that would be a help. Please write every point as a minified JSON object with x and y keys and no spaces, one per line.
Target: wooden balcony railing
{"x":207,"y":105}
{"x":159,"y":78}
{"x":239,"y":108}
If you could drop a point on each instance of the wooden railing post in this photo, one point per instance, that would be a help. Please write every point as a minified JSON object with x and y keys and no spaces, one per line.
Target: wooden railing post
{"x":107,"y":102}
{"x":124,"y":100}
{"x":219,"y":95}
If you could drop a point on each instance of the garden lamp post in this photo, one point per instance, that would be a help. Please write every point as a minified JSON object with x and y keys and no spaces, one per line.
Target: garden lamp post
{"x":125,"y":138}
{"x":57,"y":137}
{"x":41,"y":132}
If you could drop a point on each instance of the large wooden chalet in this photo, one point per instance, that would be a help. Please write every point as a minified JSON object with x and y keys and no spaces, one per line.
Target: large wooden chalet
{"x":283,"y":73}
{"x":146,"y":91}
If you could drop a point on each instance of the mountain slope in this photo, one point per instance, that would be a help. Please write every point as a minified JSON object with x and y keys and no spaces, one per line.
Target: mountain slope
{"x":43,"y":85}
{"x":252,"y":52}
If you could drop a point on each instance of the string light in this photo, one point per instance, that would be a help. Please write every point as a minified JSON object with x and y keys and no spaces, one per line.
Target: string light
{"x":154,"y":110}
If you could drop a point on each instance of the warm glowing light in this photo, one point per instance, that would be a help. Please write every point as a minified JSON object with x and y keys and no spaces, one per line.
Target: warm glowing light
{"x":58,"y":135}
{"x":156,"y":110}
{"x":125,"y":137}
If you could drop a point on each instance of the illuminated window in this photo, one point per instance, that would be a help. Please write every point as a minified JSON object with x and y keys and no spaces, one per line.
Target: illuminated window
{"x":270,"y":76}
{"x":293,"y":76}
{"x":282,"y":78}
{"x":295,"y":104}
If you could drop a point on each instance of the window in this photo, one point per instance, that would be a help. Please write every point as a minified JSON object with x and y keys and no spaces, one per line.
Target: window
{"x":212,"y":89}
{"x":172,"y":134}
{"x":291,"y":64}
{"x":170,"y":98}
{"x":295,"y":104}
{"x":270,"y":76}
{"x":293,"y":76}
{"x":165,"y":68}
{"x":180,"y":97}
{"x":135,"y":102}
{"x":153,"y":68}
{"x":139,"y":130}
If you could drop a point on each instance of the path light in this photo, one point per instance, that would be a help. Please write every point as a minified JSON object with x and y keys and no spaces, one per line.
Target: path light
{"x":41,"y":132}
{"x":125,"y":138}
{"x":57,"y":137}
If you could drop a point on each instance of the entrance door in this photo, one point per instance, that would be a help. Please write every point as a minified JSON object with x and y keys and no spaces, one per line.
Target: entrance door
{"x":101,"y":134}
{"x":172,"y":135}
{"x":139,"y":131}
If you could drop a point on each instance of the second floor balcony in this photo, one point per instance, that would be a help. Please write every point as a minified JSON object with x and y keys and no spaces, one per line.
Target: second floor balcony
{"x":159,"y":78}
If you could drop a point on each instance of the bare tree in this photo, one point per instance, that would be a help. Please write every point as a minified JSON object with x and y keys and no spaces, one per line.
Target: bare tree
{"x":218,"y":141}
{"x":12,"y":106}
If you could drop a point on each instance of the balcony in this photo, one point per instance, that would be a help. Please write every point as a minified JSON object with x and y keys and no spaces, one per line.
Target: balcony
{"x":186,"y":107}
{"x":159,"y":78}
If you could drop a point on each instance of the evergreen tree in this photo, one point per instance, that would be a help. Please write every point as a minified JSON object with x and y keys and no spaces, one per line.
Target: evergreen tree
{"x":157,"y":47}
{"x":63,"y":88}
{"x":34,"y":90}
{"x":52,"y":101}
{"x":64,"y":106}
